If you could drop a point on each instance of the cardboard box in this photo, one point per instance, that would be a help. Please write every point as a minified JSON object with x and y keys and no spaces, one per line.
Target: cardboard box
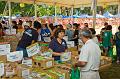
{"x":75,"y":53}
{"x":43,"y":62}
{"x":55,"y":75}
{"x":10,"y":69}
{"x":66,"y":73}
{"x":59,"y":73}
{"x":23,"y":71}
{"x":3,"y":58}
{"x":72,"y":49}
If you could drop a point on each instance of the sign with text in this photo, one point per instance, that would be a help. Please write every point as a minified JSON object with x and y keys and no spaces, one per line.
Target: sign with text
{"x":1,"y":69}
{"x":27,"y":62}
{"x":10,"y":31}
{"x":4,"y":49}
{"x":66,"y":56}
{"x":15,"y":56}
{"x":70,"y":44}
{"x":33,"y":49}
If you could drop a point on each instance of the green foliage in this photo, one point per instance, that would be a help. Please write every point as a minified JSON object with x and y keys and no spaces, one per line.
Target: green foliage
{"x":44,"y":10}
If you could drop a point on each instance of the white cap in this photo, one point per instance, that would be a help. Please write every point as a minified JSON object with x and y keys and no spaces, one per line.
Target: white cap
{"x":26,"y":24}
{"x":55,"y":24}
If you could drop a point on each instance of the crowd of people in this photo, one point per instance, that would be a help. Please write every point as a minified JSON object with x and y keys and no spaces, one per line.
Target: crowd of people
{"x":90,"y":53}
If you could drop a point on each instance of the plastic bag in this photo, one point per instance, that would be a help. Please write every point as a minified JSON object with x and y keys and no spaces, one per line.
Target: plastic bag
{"x":75,"y":73}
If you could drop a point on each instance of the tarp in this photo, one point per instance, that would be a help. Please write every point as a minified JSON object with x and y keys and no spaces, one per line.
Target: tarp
{"x":68,"y":3}
{"x":117,"y":16}
{"x":98,"y":16}
{"x":108,"y":15}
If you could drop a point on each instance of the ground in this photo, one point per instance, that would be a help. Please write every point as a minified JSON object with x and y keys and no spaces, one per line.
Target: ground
{"x":113,"y":72}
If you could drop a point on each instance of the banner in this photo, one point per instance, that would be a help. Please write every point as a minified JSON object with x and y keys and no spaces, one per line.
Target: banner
{"x":15,"y":56}
{"x":33,"y":49}
{"x":4,"y":49}
{"x":27,"y":62}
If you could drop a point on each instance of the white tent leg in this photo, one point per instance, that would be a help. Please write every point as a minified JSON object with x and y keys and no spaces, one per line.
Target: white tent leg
{"x":35,"y":6}
{"x":9,"y":5}
{"x":119,"y":8}
{"x":94,"y":12}
{"x":72,"y":10}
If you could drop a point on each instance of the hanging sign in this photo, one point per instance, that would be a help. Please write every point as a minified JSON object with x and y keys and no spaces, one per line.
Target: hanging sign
{"x":4,"y":49}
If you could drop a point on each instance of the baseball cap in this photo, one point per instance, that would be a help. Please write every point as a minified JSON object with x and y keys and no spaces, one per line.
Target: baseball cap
{"x":26,"y":24}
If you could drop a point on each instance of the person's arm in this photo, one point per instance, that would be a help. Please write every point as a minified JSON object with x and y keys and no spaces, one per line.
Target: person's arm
{"x":80,"y":64}
{"x":35,"y":37}
{"x":49,"y":29}
{"x":83,"y":58}
{"x":56,"y":54}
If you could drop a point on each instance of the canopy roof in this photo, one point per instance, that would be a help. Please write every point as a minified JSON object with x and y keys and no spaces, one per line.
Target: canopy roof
{"x":68,"y":3}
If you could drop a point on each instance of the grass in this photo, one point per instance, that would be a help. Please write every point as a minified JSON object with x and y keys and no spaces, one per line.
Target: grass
{"x":113,"y":72}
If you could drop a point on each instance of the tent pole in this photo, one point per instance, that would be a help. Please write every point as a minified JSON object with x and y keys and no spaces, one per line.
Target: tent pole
{"x":9,"y":5}
{"x":94,"y":12}
{"x":35,"y":6}
{"x":119,"y":7}
{"x":55,"y":13}
{"x":72,"y":10}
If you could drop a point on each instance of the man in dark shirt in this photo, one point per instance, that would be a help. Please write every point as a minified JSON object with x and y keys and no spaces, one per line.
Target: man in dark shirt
{"x":30,"y":36}
{"x":76,"y":33}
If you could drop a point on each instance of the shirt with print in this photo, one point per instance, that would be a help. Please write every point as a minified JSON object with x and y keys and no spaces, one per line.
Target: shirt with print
{"x":29,"y":35}
{"x":92,"y":57}
{"x":57,"y":47}
{"x":44,"y":33}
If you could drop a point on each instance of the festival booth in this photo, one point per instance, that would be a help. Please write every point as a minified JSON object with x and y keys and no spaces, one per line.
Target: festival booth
{"x":41,"y":65}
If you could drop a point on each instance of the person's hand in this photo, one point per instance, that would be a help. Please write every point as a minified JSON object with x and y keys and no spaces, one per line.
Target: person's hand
{"x":75,"y":66}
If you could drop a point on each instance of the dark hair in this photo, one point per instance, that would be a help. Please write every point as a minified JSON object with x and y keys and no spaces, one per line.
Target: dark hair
{"x":58,"y":31}
{"x":105,"y":23}
{"x":14,"y":22}
{"x":103,"y":29}
{"x":109,"y":27}
{"x":76,"y":25}
{"x":37,"y":25}
{"x":86,"y":24}
{"x":86,"y":33}
{"x":3,"y":22}
{"x":51,"y":26}
{"x":119,"y":28}
{"x":20,"y":22}
{"x":61,"y":26}
{"x":93,"y":31}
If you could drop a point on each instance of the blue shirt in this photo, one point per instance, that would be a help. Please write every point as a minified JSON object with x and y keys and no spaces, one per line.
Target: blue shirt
{"x":57,"y":47}
{"x":44,"y":33}
{"x":70,"y":34}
